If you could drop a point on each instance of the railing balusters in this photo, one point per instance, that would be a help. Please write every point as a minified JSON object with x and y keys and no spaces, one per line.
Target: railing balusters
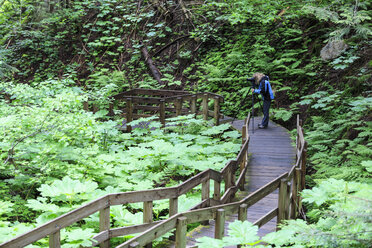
{"x":104,"y":225}
{"x":181,"y":230}
{"x":205,"y":106}
{"x":178,"y":104}
{"x":287,"y":200}
{"x":173,"y":206}
{"x":217,"y":110}
{"x":282,"y":201}
{"x":228,"y":177}
{"x":295,"y":195}
{"x":129,"y":113}
{"x":242,"y":215}
{"x":147,"y":216}
{"x":205,"y":190}
{"x":217,"y":191}
{"x":55,"y":240}
{"x":193,"y":105}
{"x":162,"y":112}
{"x":244,"y":161}
{"x":303,"y":165}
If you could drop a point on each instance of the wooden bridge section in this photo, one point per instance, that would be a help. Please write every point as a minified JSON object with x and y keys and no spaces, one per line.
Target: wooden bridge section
{"x":269,"y":185}
{"x":271,"y":154}
{"x":166,"y":103}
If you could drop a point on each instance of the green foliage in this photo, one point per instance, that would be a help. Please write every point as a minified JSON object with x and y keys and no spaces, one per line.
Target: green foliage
{"x":56,"y":157}
{"x":350,"y":19}
{"x":240,"y":233}
{"x":5,"y":68}
{"x":283,"y":114}
{"x":48,"y":140}
{"x":339,"y":140}
{"x":341,"y":217}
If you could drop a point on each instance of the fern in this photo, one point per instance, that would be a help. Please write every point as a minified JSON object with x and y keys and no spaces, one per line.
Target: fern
{"x":348,"y":18}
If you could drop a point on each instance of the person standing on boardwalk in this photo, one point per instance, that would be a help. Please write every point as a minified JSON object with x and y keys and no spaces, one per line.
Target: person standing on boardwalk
{"x":264,"y":88}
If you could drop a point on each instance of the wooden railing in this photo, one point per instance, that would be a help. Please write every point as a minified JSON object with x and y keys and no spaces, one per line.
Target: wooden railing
{"x":228,"y":175}
{"x":167,"y":103}
{"x":215,"y":207}
{"x":289,"y":204}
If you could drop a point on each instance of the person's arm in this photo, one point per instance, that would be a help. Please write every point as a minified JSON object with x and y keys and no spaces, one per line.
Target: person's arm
{"x":258,"y":91}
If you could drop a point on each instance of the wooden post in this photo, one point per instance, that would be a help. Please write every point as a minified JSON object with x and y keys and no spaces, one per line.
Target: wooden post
{"x":219,"y":230}
{"x":293,"y":204}
{"x":297,"y":136}
{"x":282,"y":201}
{"x":205,"y":189}
{"x":147,"y":216}
{"x":242,"y":214}
{"x":303,"y":166}
{"x":178,"y":106}
{"x":193,"y":105}
{"x":173,"y":206}
{"x":95,"y":108}
{"x":205,"y":106}
{"x":162,"y":112}
{"x":287,"y":200}
{"x":86,"y":106}
{"x":134,"y":245}
{"x":295,"y":193}
{"x":55,"y":240}
{"x":129,"y":113}
{"x":244,"y":161}
{"x":233,"y":179}
{"x":181,"y":229}
{"x":205,"y":195}
{"x":217,"y":110}
{"x":111,"y":109}
{"x":104,"y":225}
{"x":217,"y":191}
{"x":228,"y":177}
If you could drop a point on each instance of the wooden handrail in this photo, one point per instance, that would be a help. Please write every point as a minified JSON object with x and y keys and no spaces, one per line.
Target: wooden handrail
{"x":159,"y":100}
{"x":207,"y":208}
{"x":288,"y":205}
{"x":76,"y":215}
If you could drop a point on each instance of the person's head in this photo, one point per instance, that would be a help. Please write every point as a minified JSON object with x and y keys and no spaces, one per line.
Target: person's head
{"x":258,"y":76}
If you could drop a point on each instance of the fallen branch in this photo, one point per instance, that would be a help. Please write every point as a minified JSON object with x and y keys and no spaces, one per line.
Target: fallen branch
{"x":169,"y":44}
{"x":150,"y":63}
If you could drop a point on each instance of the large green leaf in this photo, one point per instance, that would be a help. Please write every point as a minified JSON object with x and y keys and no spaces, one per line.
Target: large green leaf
{"x":68,"y":190}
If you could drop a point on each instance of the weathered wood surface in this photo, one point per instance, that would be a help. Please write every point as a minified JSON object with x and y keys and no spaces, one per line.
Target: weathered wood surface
{"x":271,"y":154}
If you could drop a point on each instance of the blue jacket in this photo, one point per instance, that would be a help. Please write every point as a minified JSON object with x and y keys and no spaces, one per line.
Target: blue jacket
{"x":264,"y":88}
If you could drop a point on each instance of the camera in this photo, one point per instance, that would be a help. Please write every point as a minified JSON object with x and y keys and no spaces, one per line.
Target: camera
{"x":252,"y":80}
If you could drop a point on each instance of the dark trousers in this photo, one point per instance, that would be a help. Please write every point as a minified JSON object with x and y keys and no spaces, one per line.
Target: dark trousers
{"x":265,"y":110}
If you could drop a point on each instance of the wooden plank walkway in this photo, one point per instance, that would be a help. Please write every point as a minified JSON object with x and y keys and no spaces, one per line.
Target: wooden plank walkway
{"x":271,"y":154}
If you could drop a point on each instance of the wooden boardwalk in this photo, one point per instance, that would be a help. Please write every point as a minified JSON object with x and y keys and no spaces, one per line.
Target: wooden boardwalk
{"x":271,"y":154}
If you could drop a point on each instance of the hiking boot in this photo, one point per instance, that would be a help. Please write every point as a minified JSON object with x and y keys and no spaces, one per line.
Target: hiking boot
{"x":261,"y":126}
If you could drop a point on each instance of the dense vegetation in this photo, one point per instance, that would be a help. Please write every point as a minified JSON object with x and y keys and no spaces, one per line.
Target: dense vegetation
{"x":56,"y":54}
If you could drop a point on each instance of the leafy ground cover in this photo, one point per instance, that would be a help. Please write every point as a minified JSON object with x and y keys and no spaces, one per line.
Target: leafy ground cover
{"x":58,"y":157}
{"x":213,"y":46}
{"x":341,"y":217}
